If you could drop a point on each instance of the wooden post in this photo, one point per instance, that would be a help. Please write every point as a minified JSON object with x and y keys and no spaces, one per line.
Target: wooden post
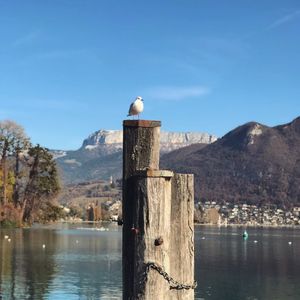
{"x":140,"y":152}
{"x":140,"y":146}
{"x":152,"y":239}
{"x":182,"y":235}
{"x":158,"y":230}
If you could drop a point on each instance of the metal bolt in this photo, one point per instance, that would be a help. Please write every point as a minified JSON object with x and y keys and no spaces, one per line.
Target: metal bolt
{"x":134,"y":230}
{"x":158,"y":241}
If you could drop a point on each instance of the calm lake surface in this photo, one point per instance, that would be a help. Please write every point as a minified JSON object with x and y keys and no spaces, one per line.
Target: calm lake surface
{"x":84,"y":262}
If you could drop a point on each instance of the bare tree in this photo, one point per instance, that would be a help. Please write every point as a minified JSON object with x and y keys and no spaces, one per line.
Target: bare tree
{"x":13,"y":140}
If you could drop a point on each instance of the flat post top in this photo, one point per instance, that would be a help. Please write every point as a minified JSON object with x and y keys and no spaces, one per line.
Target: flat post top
{"x":154,"y":173}
{"x":141,"y":123}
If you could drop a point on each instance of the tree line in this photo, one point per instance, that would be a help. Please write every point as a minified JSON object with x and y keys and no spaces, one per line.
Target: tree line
{"x":29,"y":180}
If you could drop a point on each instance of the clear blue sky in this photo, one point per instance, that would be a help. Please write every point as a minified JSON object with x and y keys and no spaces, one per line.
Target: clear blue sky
{"x":71,"y":67}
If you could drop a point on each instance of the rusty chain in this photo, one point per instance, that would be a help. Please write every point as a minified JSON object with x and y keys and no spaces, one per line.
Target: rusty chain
{"x":172,"y":282}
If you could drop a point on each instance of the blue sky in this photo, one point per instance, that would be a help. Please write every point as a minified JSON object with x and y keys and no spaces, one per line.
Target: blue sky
{"x":71,"y":67}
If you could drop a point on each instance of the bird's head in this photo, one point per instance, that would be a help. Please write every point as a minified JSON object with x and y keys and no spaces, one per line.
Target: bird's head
{"x":139,"y":98}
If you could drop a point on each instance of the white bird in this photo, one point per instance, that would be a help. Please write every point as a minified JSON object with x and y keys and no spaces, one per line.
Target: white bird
{"x":136,"y":107}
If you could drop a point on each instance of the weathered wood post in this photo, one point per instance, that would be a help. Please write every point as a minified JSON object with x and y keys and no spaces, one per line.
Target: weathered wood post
{"x":140,"y":152}
{"x":182,"y":235}
{"x":158,"y":234}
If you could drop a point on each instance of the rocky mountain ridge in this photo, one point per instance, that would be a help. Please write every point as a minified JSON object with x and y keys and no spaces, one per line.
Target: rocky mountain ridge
{"x":100,"y":155}
{"x":169,"y":140}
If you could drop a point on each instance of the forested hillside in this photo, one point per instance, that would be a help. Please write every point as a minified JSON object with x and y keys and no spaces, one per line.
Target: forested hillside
{"x":253,"y":164}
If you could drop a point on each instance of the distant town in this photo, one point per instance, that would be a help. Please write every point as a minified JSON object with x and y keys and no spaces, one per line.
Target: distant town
{"x":269,"y":215}
{"x":101,"y":201}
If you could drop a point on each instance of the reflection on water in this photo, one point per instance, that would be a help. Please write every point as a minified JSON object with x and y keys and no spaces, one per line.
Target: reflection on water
{"x":26,"y":268}
{"x":263,"y":267}
{"x":75,"y":263}
{"x":84,"y":262}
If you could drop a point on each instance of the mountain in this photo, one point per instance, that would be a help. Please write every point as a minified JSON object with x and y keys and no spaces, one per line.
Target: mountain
{"x":113,"y":140}
{"x":253,"y":163}
{"x":100,"y":155}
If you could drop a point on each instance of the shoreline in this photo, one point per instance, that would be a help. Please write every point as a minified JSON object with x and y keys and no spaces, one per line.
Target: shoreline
{"x":249,"y":225}
{"x":195,"y":224}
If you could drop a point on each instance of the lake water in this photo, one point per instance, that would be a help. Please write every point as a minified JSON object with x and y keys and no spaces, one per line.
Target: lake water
{"x":83,"y":262}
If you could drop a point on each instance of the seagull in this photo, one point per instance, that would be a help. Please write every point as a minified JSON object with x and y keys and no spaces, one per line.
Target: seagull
{"x":136,"y":107}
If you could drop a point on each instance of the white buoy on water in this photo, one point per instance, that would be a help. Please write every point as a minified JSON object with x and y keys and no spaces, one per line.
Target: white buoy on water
{"x":44,"y":246}
{"x":255,"y":241}
{"x":6,"y":237}
{"x":9,"y":240}
{"x":290,"y":243}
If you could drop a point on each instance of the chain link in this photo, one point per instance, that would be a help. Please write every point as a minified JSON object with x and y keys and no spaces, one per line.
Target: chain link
{"x":172,"y":282}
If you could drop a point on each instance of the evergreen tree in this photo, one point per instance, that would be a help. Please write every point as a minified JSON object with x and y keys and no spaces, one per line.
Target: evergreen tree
{"x":43,"y":183}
